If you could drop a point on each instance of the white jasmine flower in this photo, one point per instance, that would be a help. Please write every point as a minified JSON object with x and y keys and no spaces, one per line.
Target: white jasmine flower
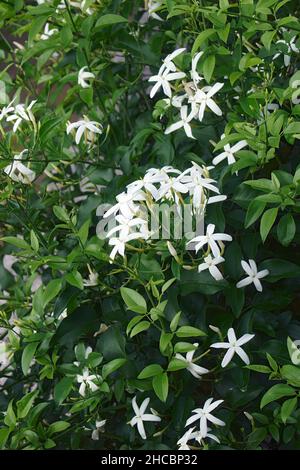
{"x":21,"y":113}
{"x":83,"y":76}
{"x":119,"y":243}
{"x":183,"y":441}
{"x":211,"y":239}
{"x":17,"y":171}
{"x":194,"y":369}
{"x":153,"y":5}
{"x":140,"y":416}
{"x":183,"y":122}
{"x":8,"y":262}
{"x":229,"y":152}
{"x":291,"y":47}
{"x":168,"y":61}
{"x":204,"y":99}
{"x":197,"y":435}
{"x":194,"y":74}
{"x":99,"y":429}
{"x":125,"y":225}
{"x":126,"y":204}
{"x":254,"y":276}
{"x":233,"y":346}
{"x":92,"y":280}
{"x":86,"y":381}
{"x":6,"y":110}
{"x":162,"y":80}
{"x":86,"y":128}
{"x":211,"y":264}
{"x":48,"y":32}
{"x":204,"y":415}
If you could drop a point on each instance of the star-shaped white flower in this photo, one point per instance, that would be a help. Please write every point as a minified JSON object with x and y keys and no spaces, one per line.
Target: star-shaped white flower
{"x":119,"y":243}
{"x":162,"y":80}
{"x":233,"y":346}
{"x":126,"y":203}
{"x":168,"y":61}
{"x":211,"y":239}
{"x":83,"y":76}
{"x":48,"y":32}
{"x":183,"y":441}
{"x":194,"y":74}
{"x":183,"y":122}
{"x":204,"y":99}
{"x":197,"y":435}
{"x":229,"y":152}
{"x":17,"y":171}
{"x":86,"y":128}
{"x":141,"y":416}
{"x":193,"y":368}
{"x":210,"y":263}
{"x":204,"y":415}
{"x":99,"y":428}
{"x":125,"y":225}
{"x":254,"y":275}
{"x":21,"y":113}
{"x":291,"y":47}
{"x":86,"y":381}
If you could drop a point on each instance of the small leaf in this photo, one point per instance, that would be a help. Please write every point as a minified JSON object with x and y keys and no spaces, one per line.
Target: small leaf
{"x":109,"y":20}
{"x":58,"y":426}
{"x":267,"y":222}
{"x":160,"y":385}
{"x":27,"y":356}
{"x":142,"y":326}
{"x":286,"y":229}
{"x":208,"y":67}
{"x":112,"y":366}
{"x":276,"y":392}
{"x":255,"y":209}
{"x":150,"y":371}
{"x":133,"y":300}
{"x":75,"y":279}
{"x":288,"y":408}
{"x":177,"y":364}
{"x":62,"y":389}
{"x":187,"y":331}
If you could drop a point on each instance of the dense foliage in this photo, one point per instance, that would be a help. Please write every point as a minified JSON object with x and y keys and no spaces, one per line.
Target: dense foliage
{"x":119,"y":342}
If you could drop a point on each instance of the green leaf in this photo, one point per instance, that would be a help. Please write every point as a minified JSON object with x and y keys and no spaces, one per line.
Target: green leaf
{"x":167,"y":285}
{"x":58,"y":426}
{"x":112,"y":366}
{"x":133,"y":322}
{"x":275,"y":393}
{"x":177,"y":364}
{"x":62,"y":389}
{"x":27,"y":356}
{"x":208,"y":67}
{"x":61,"y":214}
{"x":4,"y":434}
{"x":75,"y":279}
{"x":175,"y":321}
{"x":183,"y":347}
{"x":35,"y":27}
{"x":34,"y":241}
{"x":291,"y":374}
{"x":109,"y":20}
{"x":142,"y":326}
{"x":267,"y":38}
{"x":52,"y":290}
{"x":66,"y":35}
{"x":254,"y":211}
{"x":267,"y":222}
{"x":287,"y":408}
{"x":83,"y":232}
{"x":286,"y":229}
{"x":187,"y":331}
{"x":150,"y":371}
{"x":16,"y":241}
{"x":203,"y":36}
{"x":133,"y":300}
{"x":10,"y":416}
{"x":25,"y":404}
{"x":259,"y":368}
{"x":160,"y":385}
{"x":280,"y":269}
